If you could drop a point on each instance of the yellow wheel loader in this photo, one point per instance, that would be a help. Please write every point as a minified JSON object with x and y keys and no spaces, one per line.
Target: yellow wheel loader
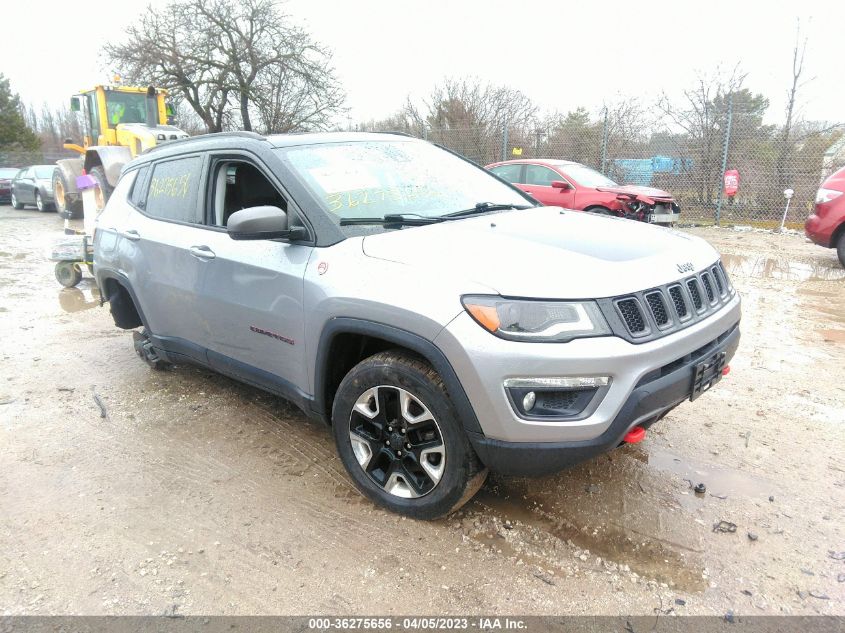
{"x":120,"y":122}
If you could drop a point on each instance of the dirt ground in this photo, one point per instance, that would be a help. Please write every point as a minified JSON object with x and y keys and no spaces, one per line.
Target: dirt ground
{"x":197,"y":495}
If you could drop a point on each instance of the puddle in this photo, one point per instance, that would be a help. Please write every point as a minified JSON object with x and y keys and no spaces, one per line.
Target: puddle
{"x":720,"y":481}
{"x":78,"y":299}
{"x":618,"y":510}
{"x":777,"y":268}
{"x":833,"y":336}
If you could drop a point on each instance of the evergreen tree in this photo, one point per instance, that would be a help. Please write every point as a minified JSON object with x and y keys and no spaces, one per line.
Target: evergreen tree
{"x":14,"y":133}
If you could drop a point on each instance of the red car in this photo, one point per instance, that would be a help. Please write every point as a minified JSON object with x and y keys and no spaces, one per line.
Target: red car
{"x":826,"y":225}
{"x":6,"y":175}
{"x":563,"y":183}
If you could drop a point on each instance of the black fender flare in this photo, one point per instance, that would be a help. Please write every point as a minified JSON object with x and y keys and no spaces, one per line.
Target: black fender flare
{"x":123,"y":280}
{"x":425,"y":348}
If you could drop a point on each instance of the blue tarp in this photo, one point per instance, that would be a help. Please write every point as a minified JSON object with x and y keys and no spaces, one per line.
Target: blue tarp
{"x":640,"y":171}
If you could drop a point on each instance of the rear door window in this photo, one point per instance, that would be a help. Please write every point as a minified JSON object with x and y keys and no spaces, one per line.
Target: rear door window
{"x":173,"y":190}
{"x":511,"y":173}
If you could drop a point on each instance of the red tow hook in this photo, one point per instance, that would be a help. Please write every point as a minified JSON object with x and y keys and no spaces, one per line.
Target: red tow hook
{"x":635,"y":435}
{"x":726,"y":370}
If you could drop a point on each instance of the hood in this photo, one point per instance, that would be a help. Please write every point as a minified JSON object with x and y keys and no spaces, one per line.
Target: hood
{"x":546,"y":253}
{"x":636,"y":190}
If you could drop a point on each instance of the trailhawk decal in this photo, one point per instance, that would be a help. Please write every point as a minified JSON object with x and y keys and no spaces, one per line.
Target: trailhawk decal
{"x":278,"y":337}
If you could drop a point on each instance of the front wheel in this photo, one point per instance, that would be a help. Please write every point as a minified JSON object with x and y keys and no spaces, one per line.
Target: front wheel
{"x":400,"y":438}
{"x":15,"y":203}
{"x":840,"y":249}
{"x":67,"y":204}
{"x":39,"y":202}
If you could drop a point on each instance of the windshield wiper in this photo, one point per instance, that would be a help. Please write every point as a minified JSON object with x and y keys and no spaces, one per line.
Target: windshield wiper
{"x":484,"y":207}
{"x":393,"y":219}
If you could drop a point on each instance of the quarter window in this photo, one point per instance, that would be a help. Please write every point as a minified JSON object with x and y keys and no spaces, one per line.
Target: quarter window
{"x":139,"y":187}
{"x":173,"y":188}
{"x":540,"y":176}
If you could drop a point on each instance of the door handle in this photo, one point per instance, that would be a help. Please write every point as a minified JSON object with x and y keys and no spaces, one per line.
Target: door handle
{"x":130,"y":234}
{"x":203,"y":252}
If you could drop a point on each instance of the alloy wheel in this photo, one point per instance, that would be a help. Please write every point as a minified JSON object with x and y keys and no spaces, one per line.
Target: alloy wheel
{"x":397,"y":441}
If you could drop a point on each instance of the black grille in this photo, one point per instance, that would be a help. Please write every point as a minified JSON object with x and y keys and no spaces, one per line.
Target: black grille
{"x":692,"y":285}
{"x":708,"y":287}
{"x":678,"y":300}
{"x":717,"y":277}
{"x":643,"y":316}
{"x":632,"y":315}
{"x":557,"y":399}
{"x":658,"y":308}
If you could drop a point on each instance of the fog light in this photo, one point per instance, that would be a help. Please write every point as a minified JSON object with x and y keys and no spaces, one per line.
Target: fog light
{"x":529,"y":400}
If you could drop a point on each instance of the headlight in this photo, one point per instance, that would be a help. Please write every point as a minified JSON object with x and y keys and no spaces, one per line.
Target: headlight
{"x":539,"y":321}
{"x":826,"y":195}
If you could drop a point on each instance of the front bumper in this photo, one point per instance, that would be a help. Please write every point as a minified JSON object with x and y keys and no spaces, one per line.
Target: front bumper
{"x":646,"y":404}
{"x":665,"y":218}
{"x":819,"y":227}
{"x":484,"y":362}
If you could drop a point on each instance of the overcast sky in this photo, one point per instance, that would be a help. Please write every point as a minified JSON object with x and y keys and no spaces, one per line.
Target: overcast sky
{"x":561,"y":54}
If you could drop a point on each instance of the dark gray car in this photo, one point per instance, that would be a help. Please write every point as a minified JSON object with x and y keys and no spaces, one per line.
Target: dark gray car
{"x":34,"y":186}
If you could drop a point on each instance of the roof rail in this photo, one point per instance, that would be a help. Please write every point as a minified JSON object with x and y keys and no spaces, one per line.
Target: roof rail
{"x":237,"y":133}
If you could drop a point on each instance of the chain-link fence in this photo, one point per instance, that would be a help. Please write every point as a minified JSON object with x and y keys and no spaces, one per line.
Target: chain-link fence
{"x":684,"y":155}
{"x":20,"y":159}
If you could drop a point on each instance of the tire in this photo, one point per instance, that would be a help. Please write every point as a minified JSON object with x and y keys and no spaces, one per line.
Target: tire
{"x":14,"y":202}
{"x":601,"y":211}
{"x":104,"y":189}
{"x":39,"y":202}
{"x":840,"y":248}
{"x":144,"y":349}
{"x":68,"y":274}
{"x":439,"y":473}
{"x":68,"y":206}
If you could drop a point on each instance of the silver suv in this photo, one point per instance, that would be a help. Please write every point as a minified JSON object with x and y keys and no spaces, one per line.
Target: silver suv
{"x":437,"y":319}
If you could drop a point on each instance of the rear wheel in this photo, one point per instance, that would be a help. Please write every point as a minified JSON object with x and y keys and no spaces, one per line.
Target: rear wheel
{"x":103,"y":191}
{"x":15,"y":203}
{"x":400,"y":438}
{"x":840,"y":248}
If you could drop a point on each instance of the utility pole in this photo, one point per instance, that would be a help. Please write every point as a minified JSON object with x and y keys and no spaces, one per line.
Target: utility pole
{"x":725,"y":156}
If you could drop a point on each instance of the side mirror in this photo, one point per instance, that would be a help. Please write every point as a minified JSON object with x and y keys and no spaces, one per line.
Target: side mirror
{"x":262,"y":223}
{"x":561,"y":184}
{"x":75,"y":105}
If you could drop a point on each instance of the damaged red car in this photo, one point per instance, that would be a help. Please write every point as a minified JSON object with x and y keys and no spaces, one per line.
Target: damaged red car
{"x":561,"y":183}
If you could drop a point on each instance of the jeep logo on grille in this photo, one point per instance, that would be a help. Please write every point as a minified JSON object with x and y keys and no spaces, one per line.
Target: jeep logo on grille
{"x":686,"y":267}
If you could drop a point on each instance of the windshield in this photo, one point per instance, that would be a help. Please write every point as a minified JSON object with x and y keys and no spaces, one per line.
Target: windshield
{"x":126,"y":107}
{"x":8,"y":173}
{"x":587,"y":177}
{"x":43,"y":172}
{"x":374,"y":178}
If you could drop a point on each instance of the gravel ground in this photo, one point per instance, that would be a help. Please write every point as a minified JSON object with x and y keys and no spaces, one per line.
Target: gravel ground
{"x":189,"y":493}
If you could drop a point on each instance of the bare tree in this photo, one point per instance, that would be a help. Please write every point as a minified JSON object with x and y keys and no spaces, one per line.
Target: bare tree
{"x":469,"y":116}
{"x":231,"y":61}
{"x":703,"y":125}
